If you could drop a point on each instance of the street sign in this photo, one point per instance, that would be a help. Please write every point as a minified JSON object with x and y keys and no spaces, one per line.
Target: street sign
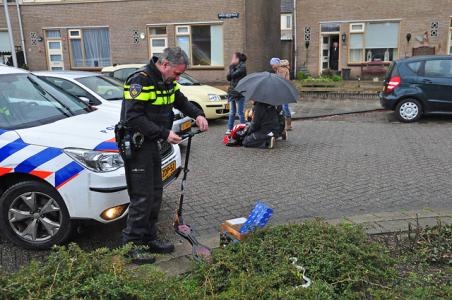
{"x":233,"y":15}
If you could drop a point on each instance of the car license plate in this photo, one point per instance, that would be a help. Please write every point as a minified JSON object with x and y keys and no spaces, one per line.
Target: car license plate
{"x":226,"y":106}
{"x":168,"y":170}
{"x":185,"y":126}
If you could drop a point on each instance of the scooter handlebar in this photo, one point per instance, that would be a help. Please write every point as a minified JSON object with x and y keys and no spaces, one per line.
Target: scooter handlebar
{"x":190,"y":134}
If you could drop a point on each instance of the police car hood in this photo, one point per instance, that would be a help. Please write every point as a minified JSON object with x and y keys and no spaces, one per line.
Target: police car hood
{"x":94,"y":130}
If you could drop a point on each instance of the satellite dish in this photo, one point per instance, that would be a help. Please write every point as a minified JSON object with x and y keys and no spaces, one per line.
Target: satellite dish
{"x":420,"y":38}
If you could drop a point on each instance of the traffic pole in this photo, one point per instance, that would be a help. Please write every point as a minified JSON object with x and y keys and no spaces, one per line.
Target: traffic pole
{"x":10,"y":33}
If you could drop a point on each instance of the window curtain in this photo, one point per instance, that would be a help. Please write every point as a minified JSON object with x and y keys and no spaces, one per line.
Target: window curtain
{"x":5,"y":46}
{"x":97,"y":47}
{"x":77,"y":57}
{"x":53,"y":34}
{"x":356,"y":47}
{"x":382,"y":35}
{"x":184,"y":43}
{"x":217,"y":54}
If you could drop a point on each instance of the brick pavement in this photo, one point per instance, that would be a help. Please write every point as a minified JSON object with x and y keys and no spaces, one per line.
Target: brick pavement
{"x":330,"y":167}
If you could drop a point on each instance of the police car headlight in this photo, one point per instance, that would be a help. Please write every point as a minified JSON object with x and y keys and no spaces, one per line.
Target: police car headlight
{"x":214,"y":97}
{"x":96,"y":161}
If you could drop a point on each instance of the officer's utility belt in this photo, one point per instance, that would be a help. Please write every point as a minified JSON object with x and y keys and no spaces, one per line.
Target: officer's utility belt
{"x":128,"y":139}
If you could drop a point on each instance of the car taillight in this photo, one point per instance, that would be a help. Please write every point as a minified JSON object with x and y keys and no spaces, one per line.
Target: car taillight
{"x":393,"y":83}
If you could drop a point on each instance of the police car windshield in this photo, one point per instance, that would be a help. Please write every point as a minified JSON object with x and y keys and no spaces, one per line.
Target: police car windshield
{"x":27,"y":101}
{"x":187,"y":80}
{"x":107,"y":87}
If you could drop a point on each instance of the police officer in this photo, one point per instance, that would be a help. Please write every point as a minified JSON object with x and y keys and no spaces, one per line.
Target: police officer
{"x":149,"y":96}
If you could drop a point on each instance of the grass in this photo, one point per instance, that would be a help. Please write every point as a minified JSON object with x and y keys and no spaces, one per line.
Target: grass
{"x":342,"y":261}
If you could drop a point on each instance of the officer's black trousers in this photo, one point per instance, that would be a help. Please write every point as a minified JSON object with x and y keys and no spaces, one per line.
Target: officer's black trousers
{"x":144,"y":183}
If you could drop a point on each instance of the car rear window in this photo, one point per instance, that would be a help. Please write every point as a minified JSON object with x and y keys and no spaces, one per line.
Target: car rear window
{"x":393,"y":70}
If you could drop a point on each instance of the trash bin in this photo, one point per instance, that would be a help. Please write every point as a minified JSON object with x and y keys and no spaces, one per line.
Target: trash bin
{"x":346,"y":73}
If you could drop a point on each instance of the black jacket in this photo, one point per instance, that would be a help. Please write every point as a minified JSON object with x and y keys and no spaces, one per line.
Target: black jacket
{"x":236,"y":72}
{"x":154,"y":121}
{"x":265,"y":119}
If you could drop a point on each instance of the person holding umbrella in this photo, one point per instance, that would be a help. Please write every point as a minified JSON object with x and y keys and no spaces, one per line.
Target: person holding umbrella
{"x":268,"y":91}
{"x":237,"y":70}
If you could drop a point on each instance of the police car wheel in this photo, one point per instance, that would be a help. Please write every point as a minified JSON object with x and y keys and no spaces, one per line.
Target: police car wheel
{"x":33,"y":215}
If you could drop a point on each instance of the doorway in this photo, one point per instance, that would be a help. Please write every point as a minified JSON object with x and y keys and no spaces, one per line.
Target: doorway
{"x":329,"y":57}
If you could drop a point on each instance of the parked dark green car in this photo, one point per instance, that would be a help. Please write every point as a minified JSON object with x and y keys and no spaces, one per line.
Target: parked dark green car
{"x":417,"y":86}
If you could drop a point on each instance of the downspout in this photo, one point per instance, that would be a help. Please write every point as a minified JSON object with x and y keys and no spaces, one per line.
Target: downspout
{"x":295,"y":38}
{"x":21,"y":32}
{"x":10,"y":33}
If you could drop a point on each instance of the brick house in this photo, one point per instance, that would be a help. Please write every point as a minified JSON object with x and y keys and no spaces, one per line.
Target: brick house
{"x":369,"y":30}
{"x":90,"y":34}
{"x":287,"y":38}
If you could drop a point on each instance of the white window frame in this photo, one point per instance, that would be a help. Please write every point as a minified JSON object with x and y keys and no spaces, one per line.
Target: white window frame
{"x":160,"y":49}
{"x":188,"y":32}
{"x":78,"y":36}
{"x":284,"y":21}
{"x":153,"y":37}
{"x":189,"y":35}
{"x":362,"y":30}
{"x":450,"y":38}
{"x":54,"y":65}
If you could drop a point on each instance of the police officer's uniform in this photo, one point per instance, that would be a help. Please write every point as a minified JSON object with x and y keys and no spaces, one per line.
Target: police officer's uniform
{"x":147,"y":110}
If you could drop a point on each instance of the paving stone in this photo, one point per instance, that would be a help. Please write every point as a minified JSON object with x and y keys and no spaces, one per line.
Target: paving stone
{"x":331,"y":168}
{"x":360,"y":219}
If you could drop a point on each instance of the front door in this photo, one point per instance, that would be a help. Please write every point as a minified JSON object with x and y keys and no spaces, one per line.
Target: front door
{"x":54,"y":47}
{"x":325,"y":55}
{"x":437,"y":84}
{"x":329,"y":56}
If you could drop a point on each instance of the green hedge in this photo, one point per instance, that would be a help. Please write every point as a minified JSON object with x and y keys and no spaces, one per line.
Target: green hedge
{"x":341,"y":261}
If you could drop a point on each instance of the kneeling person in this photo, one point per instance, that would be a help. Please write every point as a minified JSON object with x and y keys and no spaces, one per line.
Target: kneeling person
{"x":264,"y":127}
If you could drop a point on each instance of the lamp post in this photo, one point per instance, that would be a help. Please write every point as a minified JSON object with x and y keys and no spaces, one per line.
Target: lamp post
{"x":10,"y":33}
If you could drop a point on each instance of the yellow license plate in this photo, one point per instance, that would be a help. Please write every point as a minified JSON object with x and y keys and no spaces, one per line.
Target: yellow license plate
{"x":226,"y":106}
{"x":168,"y":170}
{"x":185,"y":126}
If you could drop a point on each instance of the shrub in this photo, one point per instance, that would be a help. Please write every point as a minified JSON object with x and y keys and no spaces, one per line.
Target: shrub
{"x":342,"y":262}
{"x":301,"y":75}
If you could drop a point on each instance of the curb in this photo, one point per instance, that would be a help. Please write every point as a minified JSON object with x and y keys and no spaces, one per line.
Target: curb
{"x":180,"y":261}
{"x":337,"y":114}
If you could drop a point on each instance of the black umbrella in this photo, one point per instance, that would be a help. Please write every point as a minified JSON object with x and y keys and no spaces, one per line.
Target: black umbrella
{"x":267,"y":88}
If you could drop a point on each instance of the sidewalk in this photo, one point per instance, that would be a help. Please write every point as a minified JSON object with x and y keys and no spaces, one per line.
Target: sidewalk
{"x":377,"y":223}
{"x":314,"y":108}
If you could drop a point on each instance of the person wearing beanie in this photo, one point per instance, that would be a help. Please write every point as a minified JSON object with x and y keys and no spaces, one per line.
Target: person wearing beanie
{"x":282,"y":68}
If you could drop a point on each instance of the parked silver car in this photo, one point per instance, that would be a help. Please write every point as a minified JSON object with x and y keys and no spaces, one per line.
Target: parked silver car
{"x":101,"y":90}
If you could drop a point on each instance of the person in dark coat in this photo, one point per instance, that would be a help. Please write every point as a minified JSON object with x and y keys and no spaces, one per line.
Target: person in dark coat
{"x":264,"y":127}
{"x":237,"y":70}
{"x":334,"y":57}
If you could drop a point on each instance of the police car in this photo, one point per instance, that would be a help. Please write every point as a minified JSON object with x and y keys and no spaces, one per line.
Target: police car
{"x":98,"y":89}
{"x":58,"y":162}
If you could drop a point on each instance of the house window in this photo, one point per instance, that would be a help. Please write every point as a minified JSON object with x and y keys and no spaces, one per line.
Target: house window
{"x":330,"y":27}
{"x":5,"y":46}
{"x":286,"y":21}
{"x":89,"y":48}
{"x":377,"y":41}
{"x":202,"y":43}
{"x":450,"y":37}
{"x":158,"y":40}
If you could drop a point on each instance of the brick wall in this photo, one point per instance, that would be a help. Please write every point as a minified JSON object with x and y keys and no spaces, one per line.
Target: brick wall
{"x":415,"y":17}
{"x":256,"y":31}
